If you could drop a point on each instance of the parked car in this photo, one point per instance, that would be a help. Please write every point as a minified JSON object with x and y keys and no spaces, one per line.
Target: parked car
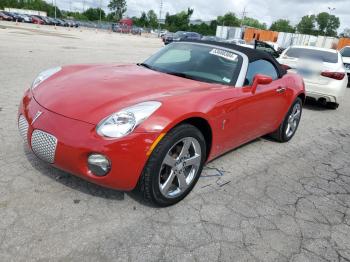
{"x":154,"y":125}
{"x":37,"y":20}
{"x":236,"y":41}
{"x":212,"y":38}
{"x":180,"y":36}
{"x":167,"y":38}
{"x":345,"y":52}
{"x":25,"y":18}
{"x":62,"y":22}
{"x":72,"y":23}
{"x":14,"y":16}
{"x":136,"y":30}
{"x":323,"y":72}
{"x":5,"y":17}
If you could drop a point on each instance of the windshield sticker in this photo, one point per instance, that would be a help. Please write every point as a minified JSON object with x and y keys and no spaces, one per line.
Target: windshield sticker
{"x":224,"y":54}
{"x":227,"y":80}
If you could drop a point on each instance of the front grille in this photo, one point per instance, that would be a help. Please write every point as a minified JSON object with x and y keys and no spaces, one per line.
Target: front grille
{"x":44,"y":145}
{"x":23,"y":127}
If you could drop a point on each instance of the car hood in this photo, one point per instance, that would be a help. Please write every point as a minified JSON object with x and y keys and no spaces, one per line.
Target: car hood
{"x":92,"y":92}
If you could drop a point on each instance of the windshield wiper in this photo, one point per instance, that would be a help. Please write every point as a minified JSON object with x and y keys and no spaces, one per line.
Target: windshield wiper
{"x":197,"y":78}
{"x":145,"y":65}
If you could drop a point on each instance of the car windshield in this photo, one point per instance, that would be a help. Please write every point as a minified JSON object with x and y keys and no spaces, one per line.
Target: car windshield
{"x":345,"y":52}
{"x":198,"y":62}
{"x":319,"y":55}
{"x":179,"y":34}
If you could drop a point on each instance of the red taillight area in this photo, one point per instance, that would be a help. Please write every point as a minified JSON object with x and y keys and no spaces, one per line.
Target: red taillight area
{"x":334,"y":75}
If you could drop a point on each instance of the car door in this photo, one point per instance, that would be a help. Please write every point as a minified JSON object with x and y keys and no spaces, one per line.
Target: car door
{"x":259,"y":113}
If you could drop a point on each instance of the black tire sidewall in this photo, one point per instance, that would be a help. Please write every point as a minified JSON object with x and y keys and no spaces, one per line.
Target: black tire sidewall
{"x":159,"y":154}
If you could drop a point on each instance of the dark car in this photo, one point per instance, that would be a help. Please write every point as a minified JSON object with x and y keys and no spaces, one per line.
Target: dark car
{"x":14,"y":16}
{"x":212,"y":38}
{"x":5,"y":17}
{"x":25,"y":18}
{"x":180,"y":36}
{"x":51,"y":21}
{"x":72,"y":23}
{"x":61,"y":22}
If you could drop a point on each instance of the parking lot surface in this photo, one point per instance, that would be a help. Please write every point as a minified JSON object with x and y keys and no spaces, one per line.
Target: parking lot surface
{"x":264,"y":201}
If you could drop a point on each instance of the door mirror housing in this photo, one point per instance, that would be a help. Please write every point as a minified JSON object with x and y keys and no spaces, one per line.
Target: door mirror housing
{"x":260,"y":79}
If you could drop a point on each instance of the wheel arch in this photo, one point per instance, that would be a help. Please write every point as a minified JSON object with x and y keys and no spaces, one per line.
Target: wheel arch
{"x":203,"y":126}
{"x":302,"y":96}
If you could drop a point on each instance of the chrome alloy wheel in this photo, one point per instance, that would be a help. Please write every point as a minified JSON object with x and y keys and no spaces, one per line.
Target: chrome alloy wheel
{"x":293,"y":120}
{"x":179,"y":167}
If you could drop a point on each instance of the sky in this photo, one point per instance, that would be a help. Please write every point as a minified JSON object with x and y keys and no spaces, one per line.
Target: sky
{"x":264,"y":10}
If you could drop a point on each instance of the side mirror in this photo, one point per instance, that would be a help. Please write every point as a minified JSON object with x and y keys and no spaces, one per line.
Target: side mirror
{"x":260,"y":79}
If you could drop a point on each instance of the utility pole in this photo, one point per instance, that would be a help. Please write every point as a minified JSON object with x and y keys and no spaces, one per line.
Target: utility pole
{"x":331,"y":9}
{"x":330,"y":13}
{"x":160,"y":16}
{"x":244,"y":13}
{"x":55,"y":10}
{"x":100,"y":11}
{"x":83,"y":5}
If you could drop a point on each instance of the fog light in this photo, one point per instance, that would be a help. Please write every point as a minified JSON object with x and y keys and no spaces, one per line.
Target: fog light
{"x":99,"y":165}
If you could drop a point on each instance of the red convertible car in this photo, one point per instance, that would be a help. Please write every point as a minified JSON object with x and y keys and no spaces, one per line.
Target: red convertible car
{"x":152,"y":126}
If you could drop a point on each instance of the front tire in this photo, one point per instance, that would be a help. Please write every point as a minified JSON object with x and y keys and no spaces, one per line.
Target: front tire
{"x":289,"y":126}
{"x":174,"y":166}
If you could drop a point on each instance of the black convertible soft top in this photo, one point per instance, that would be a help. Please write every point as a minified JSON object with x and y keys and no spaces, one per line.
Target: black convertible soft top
{"x":252,"y":54}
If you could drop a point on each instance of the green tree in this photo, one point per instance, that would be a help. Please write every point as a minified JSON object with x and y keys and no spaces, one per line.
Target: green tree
{"x":229,"y":19}
{"x":248,"y":21}
{"x":307,"y":25}
{"x":152,"y":19}
{"x":179,"y":21}
{"x":327,"y":24}
{"x":93,"y":14}
{"x":143,"y":21}
{"x":119,"y":7}
{"x":282,"y":25}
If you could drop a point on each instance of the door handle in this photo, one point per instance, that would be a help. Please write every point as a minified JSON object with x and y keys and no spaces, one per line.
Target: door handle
{"x":281,"y":90}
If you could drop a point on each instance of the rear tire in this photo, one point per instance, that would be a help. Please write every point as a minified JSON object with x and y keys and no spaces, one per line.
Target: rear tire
{"x":289,"y":126}
{"x":174,"y":166}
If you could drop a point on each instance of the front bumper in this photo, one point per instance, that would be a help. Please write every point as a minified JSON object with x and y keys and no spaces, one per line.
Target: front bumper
{"x":76,"y":140}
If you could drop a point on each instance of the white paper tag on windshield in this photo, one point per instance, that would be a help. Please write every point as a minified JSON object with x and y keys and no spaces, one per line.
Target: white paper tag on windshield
{"x":225,"y":54}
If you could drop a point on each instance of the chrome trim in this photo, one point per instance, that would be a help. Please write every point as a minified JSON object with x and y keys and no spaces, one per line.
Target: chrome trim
{"x":44,"y":145}
{"x":37,"y":115}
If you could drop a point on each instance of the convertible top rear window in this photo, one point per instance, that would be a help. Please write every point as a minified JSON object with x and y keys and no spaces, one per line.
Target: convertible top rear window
{"x":198,"y":62}
{"x":319,"y":55}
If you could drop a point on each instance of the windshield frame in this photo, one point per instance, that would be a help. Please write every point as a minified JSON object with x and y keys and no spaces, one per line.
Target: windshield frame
{"x":238,"y":76}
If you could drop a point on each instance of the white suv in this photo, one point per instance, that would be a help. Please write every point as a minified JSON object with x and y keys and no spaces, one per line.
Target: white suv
{"x":345,"y":52}
{"x":323,"y":72}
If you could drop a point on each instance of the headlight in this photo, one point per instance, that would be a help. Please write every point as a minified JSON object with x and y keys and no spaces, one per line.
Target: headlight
{"x":126,"y":120}
{"x":45,"y":75}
